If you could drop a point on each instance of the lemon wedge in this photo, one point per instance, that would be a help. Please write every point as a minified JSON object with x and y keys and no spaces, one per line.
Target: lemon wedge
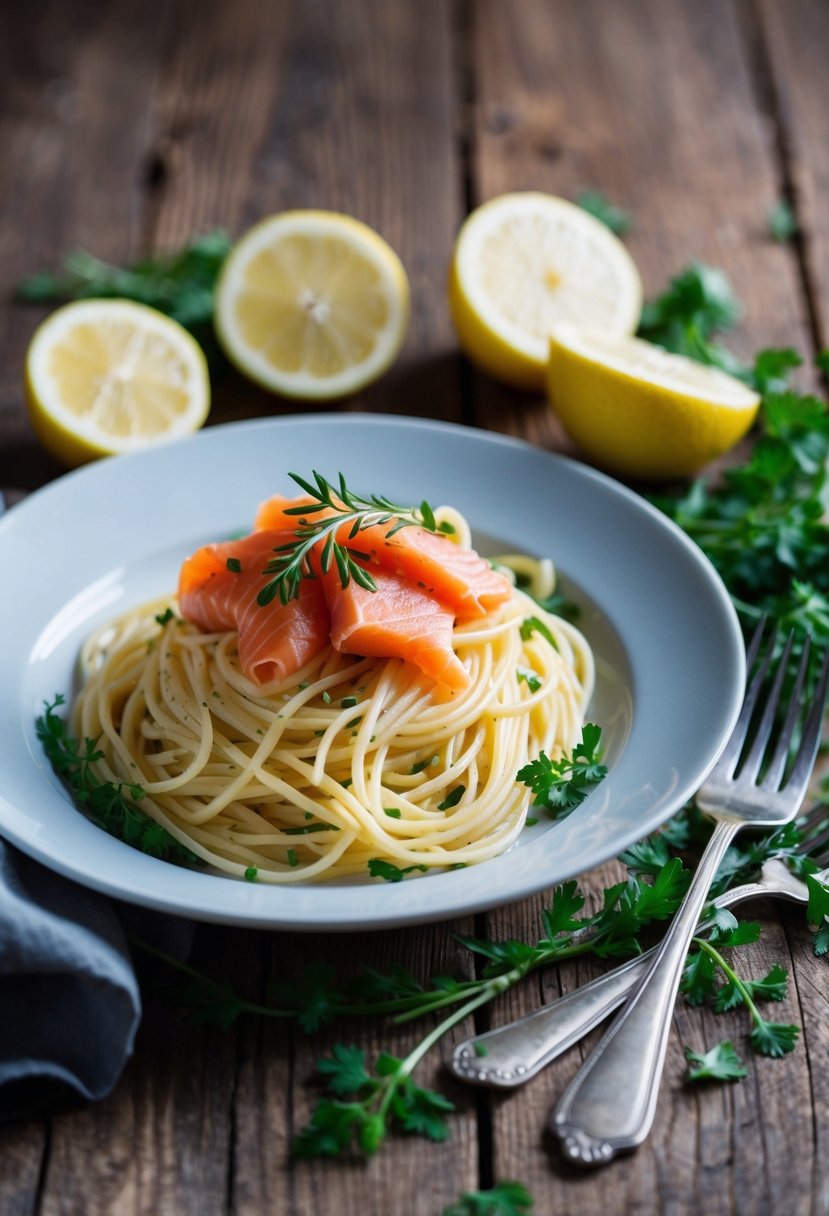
{"x":312,"y":304}
{"x":521,"y":263}
{"x":637,"y":410}
{"x":104,"y":377}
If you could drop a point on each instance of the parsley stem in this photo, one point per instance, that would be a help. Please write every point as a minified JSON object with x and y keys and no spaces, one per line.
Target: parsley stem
{"x":742,"y":988}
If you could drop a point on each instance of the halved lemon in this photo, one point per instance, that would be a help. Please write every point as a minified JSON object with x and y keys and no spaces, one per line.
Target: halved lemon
{"x":312,"y":304}
{"x":110,"y":376}
{"x":523,"y":262}
{"x":637,"y":410}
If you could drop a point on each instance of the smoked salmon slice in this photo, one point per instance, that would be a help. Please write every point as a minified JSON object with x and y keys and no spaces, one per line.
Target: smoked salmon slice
{"x":395,"y":621}
{"x":459,"y":578}
{"x":275,"y":640}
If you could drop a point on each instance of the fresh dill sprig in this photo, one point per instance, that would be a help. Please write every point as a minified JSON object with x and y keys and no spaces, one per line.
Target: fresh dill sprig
{"x":342,"y":507}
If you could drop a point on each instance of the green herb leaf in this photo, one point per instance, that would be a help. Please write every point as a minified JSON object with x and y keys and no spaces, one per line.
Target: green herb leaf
{"x":721,"y":1063}
{"x":345,"y":1070}
{"x":533,"y":625}
{"x":774,"y":1039}
{"x":378,"y":868}
{"x":782,"y":222}
{"x":698,"y":303}
{"x":597,"y":205}
{"x":112,"y":805}
{"x":561,"y":785}
{"x":508,"y":1198}
{"x":452,"y":798}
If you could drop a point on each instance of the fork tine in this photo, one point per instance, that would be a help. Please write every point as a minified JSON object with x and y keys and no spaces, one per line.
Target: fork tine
{"x":752,"y":762}
{"x":818,"y":846}
{"x":814,"y":826}
{"x":777,"y":767}
{"x":731,"y":752}
{"x":800,"y":776}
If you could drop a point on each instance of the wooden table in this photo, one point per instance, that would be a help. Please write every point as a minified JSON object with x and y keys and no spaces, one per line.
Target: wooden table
{"x":125,"y":127}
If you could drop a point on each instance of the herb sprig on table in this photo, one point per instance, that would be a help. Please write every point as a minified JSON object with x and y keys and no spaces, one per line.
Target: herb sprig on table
{"x":180,"y":284}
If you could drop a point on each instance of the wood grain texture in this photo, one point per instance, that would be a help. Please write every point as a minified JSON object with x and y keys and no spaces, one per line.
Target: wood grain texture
{"x":266,"y":107}
{"x":793,"y":40}
{"x":74,"y":132}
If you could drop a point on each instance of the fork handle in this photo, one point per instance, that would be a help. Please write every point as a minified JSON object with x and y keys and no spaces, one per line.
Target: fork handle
{"x":610,"y":1104}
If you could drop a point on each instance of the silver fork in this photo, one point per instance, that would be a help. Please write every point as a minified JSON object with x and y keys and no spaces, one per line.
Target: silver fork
{"x":610,"y":1104}
{"x":516,"y":1052}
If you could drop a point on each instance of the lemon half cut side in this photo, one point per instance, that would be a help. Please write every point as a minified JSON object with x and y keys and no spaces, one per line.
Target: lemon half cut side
{"x":641,"y":411}
{"x":312,"y":304}
{"x":104,"y":377}
{"x":523,"y":262}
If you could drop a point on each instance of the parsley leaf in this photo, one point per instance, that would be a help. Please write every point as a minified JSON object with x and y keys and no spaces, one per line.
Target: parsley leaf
{"x":561,"y":785}
{"x":378,"y":868}
{"x":597,"y":205}
{"x":818,"y":890}
{"x":721,"y":1063}
{"x":782,"y":222}
{"x":112,"y":805}
{"x":697,"y":303}
{"x":508,"y":1198}
{"x":389,"y":1096}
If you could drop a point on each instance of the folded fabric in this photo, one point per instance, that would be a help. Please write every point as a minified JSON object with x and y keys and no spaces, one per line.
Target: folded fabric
{"x":69,"y":998}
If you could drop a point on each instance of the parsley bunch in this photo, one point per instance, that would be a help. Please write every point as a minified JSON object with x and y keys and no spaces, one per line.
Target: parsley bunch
{"x":180,"y":284}
{"x":112,"y":805}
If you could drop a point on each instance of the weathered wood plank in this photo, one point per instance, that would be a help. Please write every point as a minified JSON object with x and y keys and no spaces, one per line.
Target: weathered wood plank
{"x":74,"y":129}
{"x":793,"y":39}
{"x":265,"y":108}
{"x":653,"y":104}
{"x":22,"y":1148}
{"x":408,"y":1174}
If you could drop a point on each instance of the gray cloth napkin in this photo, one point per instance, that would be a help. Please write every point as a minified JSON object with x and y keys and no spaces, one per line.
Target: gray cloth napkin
{"x":69,"y":998}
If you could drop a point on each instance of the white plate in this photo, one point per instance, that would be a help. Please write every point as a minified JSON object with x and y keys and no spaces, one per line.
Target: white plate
{"x":669,"y":651}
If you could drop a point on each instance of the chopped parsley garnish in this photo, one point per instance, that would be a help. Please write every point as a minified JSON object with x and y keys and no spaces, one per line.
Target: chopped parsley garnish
{"x":234,"y":565}
{"x":452,"y":798}
{"x":163,"y":617}
{"x":378,"y":868}
{"x":561,"y":785}
{"x":420,"y":765}
{"x":529,"y":678}
{"x":533,"y":625}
